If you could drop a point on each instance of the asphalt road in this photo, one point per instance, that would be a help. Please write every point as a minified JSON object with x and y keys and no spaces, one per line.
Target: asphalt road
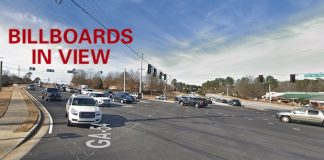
{"x":162,"y":131}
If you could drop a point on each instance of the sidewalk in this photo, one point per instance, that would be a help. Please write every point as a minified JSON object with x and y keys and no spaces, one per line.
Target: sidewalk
{"x":16,"y":114}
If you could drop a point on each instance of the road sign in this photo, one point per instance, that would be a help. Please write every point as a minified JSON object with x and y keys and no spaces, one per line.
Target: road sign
{"x":49,"y":70}
{"x":314,"y":75}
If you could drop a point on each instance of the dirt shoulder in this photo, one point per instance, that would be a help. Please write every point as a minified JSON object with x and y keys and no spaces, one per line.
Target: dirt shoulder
{"x":32,"y":114}
{"x":5,"y":97}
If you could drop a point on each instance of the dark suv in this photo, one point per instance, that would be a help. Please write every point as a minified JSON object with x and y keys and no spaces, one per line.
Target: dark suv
{"x":51,"y":94}
{"x":235,"y":102}
{"x":197,"y":102}
{"x":122,"y":98}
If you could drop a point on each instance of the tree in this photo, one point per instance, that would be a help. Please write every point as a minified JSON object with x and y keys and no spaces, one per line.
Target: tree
{"x":229,"y":81}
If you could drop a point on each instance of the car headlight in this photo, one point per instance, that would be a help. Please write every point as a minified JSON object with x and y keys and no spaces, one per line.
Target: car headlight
{"x":98,"y":112}
{"x":74,"y":111}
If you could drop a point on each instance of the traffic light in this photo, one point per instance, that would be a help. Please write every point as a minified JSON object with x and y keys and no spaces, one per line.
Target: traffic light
{"x":149,"y":69}
{"x":261,"y":79}
{"x":292,"y":77}
{"x":160,"y":76}
{"x":165,"y":77}
{"x":154,"y":72}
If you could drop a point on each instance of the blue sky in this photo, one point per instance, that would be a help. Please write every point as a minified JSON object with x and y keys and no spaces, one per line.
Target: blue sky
{"x":193,"y":41}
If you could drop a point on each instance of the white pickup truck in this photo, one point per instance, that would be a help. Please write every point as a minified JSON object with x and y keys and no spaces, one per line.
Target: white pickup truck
{"x":302,"y":115}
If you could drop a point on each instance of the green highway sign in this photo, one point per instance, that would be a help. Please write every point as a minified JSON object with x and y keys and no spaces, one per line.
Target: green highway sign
{"x":314,"y":75}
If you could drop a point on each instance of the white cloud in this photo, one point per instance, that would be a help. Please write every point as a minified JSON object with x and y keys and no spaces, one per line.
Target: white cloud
{"x":297,"y":48}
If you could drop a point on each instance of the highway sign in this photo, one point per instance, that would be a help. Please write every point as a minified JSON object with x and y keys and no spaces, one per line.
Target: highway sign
{"x":314,"y":75}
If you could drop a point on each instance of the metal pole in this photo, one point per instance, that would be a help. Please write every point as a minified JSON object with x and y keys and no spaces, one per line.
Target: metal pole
{"x":166,"y":83}
{"x":18,"y":70}
{"x":0,"y":75}
{"x":269,"y":91}
{"x":124,"y":78}
{"x":140,"y":87}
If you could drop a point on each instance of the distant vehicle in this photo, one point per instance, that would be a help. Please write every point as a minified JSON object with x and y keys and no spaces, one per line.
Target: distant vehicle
{"x":31,"y":87}
{"x":83,"y":87}
{"x":223,"y":101}
{"x":101,"y":98}
{"x":180,"y":97}
{"x":81,"y":109}
{"x":137,"y":95}
{"x":197,"y":102}
{"x":234,"y":102}
{"x":86,"y":91}
{"x":51,"y":94}
{"x":122,"y":98}
{"x":161,"y":97}
{"x":63,"y":88}
{"x":209,"y":100}
{"x":70,"y":90}
{"x":109,"y":93}
{"x":303,"y":115}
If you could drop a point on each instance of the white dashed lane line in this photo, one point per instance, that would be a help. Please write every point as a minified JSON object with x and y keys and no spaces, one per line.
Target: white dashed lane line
{"x":265,"y":119}
{"x":270,"y":123}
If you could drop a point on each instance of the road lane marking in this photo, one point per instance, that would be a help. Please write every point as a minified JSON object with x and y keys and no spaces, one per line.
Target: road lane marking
{"x":102,"y":140}
{"x":265,"y":119}
{"x":270,"y":123}
{"x":296,"y":129}
{"x":219,"y":113}
{"x":49,"y":115}
{"x":149,"y":115}
{"x":250,"y":119}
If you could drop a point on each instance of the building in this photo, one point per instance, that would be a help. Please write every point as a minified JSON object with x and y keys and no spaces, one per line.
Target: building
{"x":317,"y":102}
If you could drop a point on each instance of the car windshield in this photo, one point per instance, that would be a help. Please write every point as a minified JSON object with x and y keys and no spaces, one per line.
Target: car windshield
{"x":124,"y":96}
{"x":52,"y":90}
{"x":84,"y":102}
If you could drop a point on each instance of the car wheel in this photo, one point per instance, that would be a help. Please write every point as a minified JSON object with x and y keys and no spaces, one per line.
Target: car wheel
{"x":46,"y":99}
{"x":196,"y":105}
{"x":181,"y":103}
{"x":285,"y":119}
{"x":68,"y":123}
{"x":121,"y":101}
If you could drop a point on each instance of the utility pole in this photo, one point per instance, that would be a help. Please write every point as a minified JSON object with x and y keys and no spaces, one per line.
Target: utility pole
{"x":140,"y":86}
{"x":124,"y":79}
{"x":269,"y":91}
{"x":165,"y":88}
{"x":0,"y":74}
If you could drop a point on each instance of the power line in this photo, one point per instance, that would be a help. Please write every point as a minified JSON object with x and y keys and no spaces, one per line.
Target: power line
{"x":102,"y":25}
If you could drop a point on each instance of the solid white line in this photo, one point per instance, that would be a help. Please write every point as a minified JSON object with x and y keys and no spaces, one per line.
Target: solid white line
{"x":296,"y":129}
{"x":49,"y":115}
{"x":51,"y":120}
{"x":270,"y":123}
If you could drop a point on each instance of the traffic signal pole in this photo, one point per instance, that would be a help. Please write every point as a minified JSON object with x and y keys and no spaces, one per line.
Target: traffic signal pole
{"x":124,"y":79}
{"x":269,"y":91}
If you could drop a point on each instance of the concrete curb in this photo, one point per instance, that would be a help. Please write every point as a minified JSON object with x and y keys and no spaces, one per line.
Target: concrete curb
{"x":32,"y":131}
